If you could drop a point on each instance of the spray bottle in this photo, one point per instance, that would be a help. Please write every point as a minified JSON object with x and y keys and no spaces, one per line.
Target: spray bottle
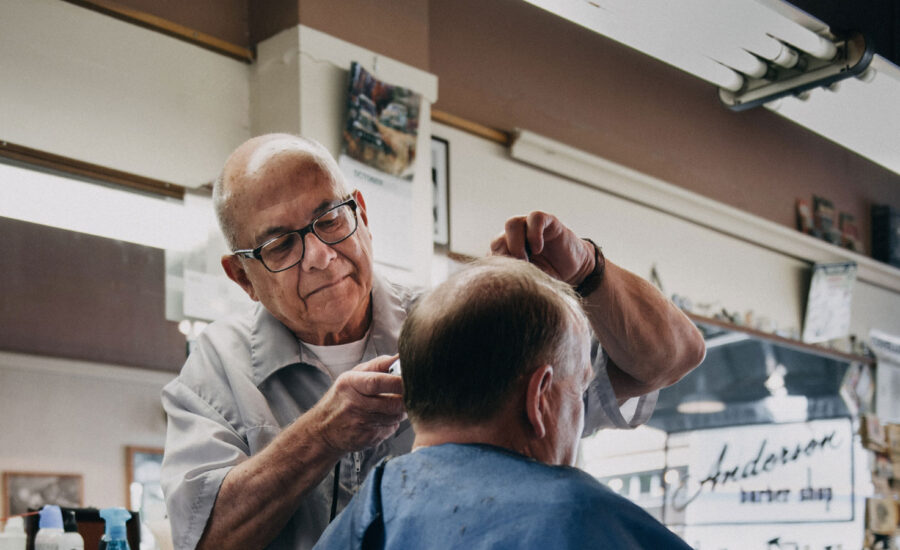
{"x":50,"y":528}
{"x":70,"y":539}
{"x":115,"y":537}
{"x":13,"y":536}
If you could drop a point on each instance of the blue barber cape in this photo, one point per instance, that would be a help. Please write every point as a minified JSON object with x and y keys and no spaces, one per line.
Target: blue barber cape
{"x":479,"y":496}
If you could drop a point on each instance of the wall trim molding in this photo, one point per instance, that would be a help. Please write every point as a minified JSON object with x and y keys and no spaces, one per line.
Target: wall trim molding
{"x":75,"y":167}
{"x":564,"y":160}
{"x":169,"y":28}
{"x":480,"y":130}
{"x":82,"y":369}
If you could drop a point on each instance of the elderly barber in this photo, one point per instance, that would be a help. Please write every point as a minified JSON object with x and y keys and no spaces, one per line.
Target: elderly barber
{"x":495,"y":363}
{"x":283,"y":408}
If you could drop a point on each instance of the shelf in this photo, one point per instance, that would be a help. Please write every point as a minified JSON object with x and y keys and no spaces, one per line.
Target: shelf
{"x":659,"y":195}
{"x":782,"y":341}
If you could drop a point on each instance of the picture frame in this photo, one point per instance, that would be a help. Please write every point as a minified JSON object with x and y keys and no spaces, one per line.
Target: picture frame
{"x":143,"y":492}
{"x":24,"y":490}
{"x":440,"y":180}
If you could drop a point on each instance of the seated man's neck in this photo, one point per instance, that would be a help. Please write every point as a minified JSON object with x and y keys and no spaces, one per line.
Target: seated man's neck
{"x":497,"y":433}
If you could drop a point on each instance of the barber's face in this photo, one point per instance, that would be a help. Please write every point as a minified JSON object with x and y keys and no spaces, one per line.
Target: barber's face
{"x":327,"y":294}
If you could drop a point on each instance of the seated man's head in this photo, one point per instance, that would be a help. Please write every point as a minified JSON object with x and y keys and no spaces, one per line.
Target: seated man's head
{"x":271,"y":186}
{"x":498,"y":354}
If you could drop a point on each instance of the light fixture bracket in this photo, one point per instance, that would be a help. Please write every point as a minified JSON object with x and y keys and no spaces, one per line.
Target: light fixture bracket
{"x":854,"y":54}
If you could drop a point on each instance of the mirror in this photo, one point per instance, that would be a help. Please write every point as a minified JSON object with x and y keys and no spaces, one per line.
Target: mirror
{"x":756,"y":448}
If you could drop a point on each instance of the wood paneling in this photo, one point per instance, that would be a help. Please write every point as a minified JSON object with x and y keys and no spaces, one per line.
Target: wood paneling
{"x":395,"y":28}
{"x":73,"y":295}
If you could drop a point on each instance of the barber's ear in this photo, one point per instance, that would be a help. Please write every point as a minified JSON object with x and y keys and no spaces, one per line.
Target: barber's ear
{"x":536,"y":400}
{"x":361,"y":203}
{"x":234,"y":268}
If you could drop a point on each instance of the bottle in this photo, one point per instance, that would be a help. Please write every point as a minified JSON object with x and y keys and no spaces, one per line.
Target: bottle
{"x":70,"y":539}
{"x":50,"y":528}
{"x":115,"y":537}
{"x":13,"y":537}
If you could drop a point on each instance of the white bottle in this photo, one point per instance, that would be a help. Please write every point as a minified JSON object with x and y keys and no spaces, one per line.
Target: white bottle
{"x":50,"y":528}
{"x":13,"y":537}
{"x":70,"y":539}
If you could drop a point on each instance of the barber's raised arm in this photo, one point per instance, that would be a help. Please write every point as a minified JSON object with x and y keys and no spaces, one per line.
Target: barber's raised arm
{"x":259,"y":493}
{"x":650,"y":342}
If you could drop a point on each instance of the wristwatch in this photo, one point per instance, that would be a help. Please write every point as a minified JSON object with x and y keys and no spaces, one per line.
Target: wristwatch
{"x":595,"y":277}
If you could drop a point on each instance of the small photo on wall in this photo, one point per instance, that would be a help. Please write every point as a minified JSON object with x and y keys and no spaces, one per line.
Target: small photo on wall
{"x":440,"y":178}
{"x":32,"y":490}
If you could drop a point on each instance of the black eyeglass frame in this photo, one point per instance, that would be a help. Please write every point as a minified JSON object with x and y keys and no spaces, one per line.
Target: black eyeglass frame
{"x":256,"y":253}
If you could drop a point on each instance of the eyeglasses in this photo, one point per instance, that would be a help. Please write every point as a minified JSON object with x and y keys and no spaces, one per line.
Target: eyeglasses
{"x":285,"y":251}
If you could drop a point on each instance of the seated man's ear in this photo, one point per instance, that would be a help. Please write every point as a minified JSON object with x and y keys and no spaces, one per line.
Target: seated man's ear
{"x":537,"y":400}
{"x":234,"y":268}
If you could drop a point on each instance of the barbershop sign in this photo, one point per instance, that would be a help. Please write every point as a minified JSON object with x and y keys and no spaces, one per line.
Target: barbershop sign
{"x":774,"y":473}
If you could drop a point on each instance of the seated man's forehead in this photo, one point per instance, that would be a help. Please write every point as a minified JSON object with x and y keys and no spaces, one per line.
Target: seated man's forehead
{"x":266,"y":151}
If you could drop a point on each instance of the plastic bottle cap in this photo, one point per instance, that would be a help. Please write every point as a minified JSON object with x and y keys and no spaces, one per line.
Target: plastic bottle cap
{"x":115,"y":522}
{"x":51,"y":517}
{"x":15,"y":525}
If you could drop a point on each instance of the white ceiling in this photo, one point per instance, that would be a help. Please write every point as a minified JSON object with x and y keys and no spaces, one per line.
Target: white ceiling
{"x":722,"y":42}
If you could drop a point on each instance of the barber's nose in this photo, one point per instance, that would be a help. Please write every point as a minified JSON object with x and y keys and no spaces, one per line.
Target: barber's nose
{"x":317,"y":255}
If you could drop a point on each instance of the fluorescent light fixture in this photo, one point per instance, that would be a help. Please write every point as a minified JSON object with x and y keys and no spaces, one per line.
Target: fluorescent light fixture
{"x":706,"y":38}
{"x":700,"y":403}
{"x":853,"y":56}
{"x":726,"y":339}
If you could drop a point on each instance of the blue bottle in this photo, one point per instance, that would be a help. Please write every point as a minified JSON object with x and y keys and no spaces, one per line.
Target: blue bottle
{"x":50,"y":528}
{"x":115,"y":537}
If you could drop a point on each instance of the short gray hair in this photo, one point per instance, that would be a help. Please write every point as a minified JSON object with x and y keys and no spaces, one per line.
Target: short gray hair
{"x":467,"y":345}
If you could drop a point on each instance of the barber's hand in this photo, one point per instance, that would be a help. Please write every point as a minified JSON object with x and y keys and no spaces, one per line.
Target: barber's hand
{"x":363,"y":407}
{"x":543,"y":240}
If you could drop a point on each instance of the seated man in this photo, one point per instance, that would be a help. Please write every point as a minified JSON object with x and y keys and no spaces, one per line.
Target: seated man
{"x":494,"y":364}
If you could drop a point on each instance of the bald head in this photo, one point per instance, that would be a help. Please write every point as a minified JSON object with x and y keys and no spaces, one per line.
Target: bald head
{"x":266,"y":159}
{"x":469,"y":344}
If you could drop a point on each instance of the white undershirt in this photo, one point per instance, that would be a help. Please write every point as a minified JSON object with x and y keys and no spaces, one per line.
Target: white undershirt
{"x":340,"y":358}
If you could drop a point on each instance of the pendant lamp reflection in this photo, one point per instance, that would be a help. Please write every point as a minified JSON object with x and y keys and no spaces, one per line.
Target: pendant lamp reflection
{"x":701,"y":401}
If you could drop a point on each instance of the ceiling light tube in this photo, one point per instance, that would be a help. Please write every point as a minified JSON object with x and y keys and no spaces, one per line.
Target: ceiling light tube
{"x":771,"y":49}
{"x":810,"y":42}
{"x":743,"y":61}
{"x":787,"y":57}
{"x":727,"y":78}
{"x":786,"y":30}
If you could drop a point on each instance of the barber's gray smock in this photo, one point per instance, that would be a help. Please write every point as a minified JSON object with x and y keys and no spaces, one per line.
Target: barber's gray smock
{"x":248,"y":378}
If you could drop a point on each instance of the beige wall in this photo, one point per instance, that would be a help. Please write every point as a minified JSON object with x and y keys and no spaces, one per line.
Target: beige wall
{"x":83,"y":85}
{"x":77,"y":417}
{"x":709,"y":267}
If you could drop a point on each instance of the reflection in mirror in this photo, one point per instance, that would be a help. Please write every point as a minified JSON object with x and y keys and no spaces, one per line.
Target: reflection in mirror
{"x":756,"y":445}
{"x":747,"y":380}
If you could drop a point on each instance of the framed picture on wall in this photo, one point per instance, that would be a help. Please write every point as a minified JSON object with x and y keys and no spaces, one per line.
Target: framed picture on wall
{"x":24,"y":490}
{"x":440,"y":186}
{"x":144,"y":493}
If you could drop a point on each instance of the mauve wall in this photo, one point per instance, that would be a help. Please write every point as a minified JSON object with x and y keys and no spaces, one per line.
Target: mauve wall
{"x":67,"y":294}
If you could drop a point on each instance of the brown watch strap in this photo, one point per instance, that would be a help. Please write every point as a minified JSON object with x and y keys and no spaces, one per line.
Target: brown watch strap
{"x":595,"y":277}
